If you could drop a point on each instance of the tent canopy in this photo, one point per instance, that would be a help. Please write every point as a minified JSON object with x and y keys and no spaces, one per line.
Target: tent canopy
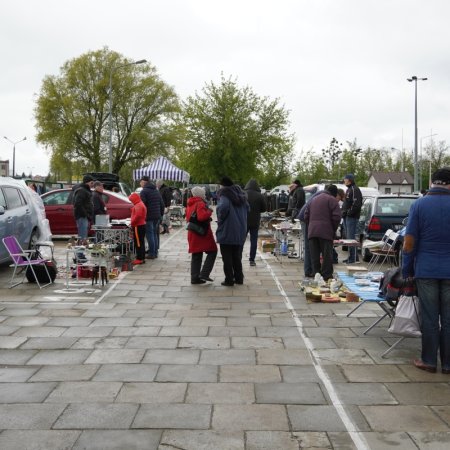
{"x":162,"y":169}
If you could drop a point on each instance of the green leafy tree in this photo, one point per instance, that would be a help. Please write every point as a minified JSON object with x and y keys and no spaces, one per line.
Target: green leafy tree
{"x":230,"y":130}
{"x":72,"y":113}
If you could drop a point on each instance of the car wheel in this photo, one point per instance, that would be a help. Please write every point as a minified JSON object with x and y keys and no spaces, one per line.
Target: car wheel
{"x":33,"y":239}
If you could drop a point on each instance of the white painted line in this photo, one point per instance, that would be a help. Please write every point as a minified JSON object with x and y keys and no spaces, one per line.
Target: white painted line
{"x":357,"y":438}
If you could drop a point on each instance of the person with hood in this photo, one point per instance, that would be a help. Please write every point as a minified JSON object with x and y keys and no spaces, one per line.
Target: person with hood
{"x":138,"y":223}
{"x":323,"y":216}
{"x":153,"y":201}
{"x":257,"y":205}
{"x":232,"y":209}
{"x":83,"y":208}
{"x":200,"y":244}
{"x":351,"y":210}
{"x":296,"y":199}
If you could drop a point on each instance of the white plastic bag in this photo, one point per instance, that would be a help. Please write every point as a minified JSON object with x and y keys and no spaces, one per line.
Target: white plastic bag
{"x":406,"y":321}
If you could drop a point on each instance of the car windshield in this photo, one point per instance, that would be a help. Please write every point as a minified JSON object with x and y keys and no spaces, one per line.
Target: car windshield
{"x":395,"y":205}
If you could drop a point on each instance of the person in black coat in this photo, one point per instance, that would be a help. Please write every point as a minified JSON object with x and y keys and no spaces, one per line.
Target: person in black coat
{"x":258,"y":205}
{"x":296,"y":199}
{"x":155,"y":209}
{"x":83,"y":208}
{"x":97,"y":199}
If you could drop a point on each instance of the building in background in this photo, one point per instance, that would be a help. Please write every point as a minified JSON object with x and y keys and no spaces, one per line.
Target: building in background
{"x":392,"y":182}
{"x":4,"y":168}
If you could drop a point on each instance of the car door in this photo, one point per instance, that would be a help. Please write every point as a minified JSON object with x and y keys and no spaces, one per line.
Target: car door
{"x":59,"y":212}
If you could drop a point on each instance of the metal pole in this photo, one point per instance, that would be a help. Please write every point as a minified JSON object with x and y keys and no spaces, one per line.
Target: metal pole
{"x":416,"y":171}
{"x":14,"y":152}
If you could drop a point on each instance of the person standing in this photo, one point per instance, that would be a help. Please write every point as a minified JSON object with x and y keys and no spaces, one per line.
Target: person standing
{"x":257,"y":205}
{"x":83,"y":208}
{"x":155,"y":209}
{"x":296,"y":199}
{"x":426,"y":258}
{"x":97,"y":199}
{"x":200,"y":244}
{"x":232,"y":209}
{"x":323,"y":216}
{"x":138,"y":223}
{"x":351,"y":210}
{"x":166,"y":195}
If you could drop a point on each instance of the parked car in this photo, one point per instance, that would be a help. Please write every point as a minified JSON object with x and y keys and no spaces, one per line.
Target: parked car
{"x":111,"y":182}
{"x":380,"y":213}
{"x":59,"y":209}
{"x":18,"y":215}
{"x":313,"y":188}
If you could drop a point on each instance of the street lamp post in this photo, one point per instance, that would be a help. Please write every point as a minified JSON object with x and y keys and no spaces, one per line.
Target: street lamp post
{"x":141,"y":61}
{"x":416,"y":174}
{"x":14,"y":152}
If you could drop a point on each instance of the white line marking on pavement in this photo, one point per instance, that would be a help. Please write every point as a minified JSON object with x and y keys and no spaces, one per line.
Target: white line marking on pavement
{"x":358,"y":439}
{"x":110,"y":289}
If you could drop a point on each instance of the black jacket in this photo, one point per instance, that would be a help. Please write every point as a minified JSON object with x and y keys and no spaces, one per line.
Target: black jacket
{"x":153,"y":201}
{"x":296,"y":201}
{"x":353,"y":202}
{"x":99,"y":204}
{"x":82,"y":201}
{"x":166,"y":195}
{"x":257,"y":204}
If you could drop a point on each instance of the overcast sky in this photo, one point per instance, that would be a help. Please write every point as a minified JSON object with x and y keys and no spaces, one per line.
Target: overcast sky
{"x":339,"y":66}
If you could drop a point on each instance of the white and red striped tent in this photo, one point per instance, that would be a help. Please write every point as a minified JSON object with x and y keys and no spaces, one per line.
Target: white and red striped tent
{"x":162,"y":169}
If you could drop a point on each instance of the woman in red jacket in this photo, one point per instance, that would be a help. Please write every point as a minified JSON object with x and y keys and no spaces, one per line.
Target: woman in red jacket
{"x":200,"y":244}
{"x":138,"y":215}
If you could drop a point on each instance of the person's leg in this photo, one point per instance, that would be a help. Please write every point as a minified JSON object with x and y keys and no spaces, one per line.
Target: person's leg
{"x":196,"y":263}
{"x":227,"y":259}
{"x":140,"y":244}
{"x":428,"y":290}
{"x":444,"y":344}
{"x":253,"y":243}
{"x":208,"y":265}
{"x":150,"y":233}
{"x":157,"y":223}
{"x":326,"y":248}
{"x":82,"y":226}
{"x":314,"y":248}
{"x":350,"y":231}
{"x":237,"y":264}
{"x":307,"y":266}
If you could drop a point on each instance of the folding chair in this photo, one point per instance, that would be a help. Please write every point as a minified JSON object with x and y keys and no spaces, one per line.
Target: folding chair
{"x":22,"y":259}
{"x":388,"y":251}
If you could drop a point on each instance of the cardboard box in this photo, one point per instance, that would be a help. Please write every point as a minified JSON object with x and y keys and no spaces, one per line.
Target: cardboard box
{"x":267,"y":245}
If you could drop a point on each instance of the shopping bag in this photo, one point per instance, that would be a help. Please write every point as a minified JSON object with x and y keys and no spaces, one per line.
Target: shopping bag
{"x":406,"y":321}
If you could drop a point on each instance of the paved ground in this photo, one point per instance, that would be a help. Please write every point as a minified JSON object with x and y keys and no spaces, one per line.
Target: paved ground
{"x":152,"y":362}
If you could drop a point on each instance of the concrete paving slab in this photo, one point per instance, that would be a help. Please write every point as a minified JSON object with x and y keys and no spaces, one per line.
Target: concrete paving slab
{"x":29,"y":416}
{"x":249,"y":374}
{"x":56,"y":357}
{"x":250,"y":417}
{"x":112,"y":356}
{"x":227,"y":356}
{"x":88,"y":331}
{"x":38,"y":439}
{"x":152,"y":342}
{"x":49,"y":343}
{"x":118,"y":440}
{"x":283,"y":357}
{"x":97,"y":416}
{"x":183,"y":331}
{"x":256,"y":342}
{"x":415,"y":374}
{"x":202,"y":440}
{"x":364,"y":394}
{"x":443,"y":412}
{"x":299,"y":393}
{"x":25,"y":392}
{"x":431,"y":440}
{"x":16,"y":357}
{"x":16,"y":374}
{"x":71,"y":372}
{"x":176,"y":356}
{"x":152,"y":393}
{"x":194,"y":417}
{"x":84,"y":392}
{"x":232,"y":331}
{"x":204,"y":342}
{"x":189,"y":373}
{"x":271,"y":440}
{"x":312,"y":440}
{"x":40,"y":331}
{"x":375,"y":441}
{"x":402,"y":418}
{"x":135,"y":331}
{"x":373,"y":373}
{"x":103,"y":342}
{"x":125,"y":372}
{"x":343,"y":356}
{"x":421,"y":393}
{"x":11,"y":342}
{"x":221,"y":393}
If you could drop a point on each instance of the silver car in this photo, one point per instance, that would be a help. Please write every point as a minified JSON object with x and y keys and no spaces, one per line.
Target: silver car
{"x":18,"y":215}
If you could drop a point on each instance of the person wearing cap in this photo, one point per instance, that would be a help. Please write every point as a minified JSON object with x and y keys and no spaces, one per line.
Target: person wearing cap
{"x":200,"y":244}
{"x":155,"y":209}
{"x":351,"y":210}
{"x":323,"y":215}
{"x":232,"y":209}
{"x":426,"y":258}
{"x":296,"y":199}
{"x":83,"y":208}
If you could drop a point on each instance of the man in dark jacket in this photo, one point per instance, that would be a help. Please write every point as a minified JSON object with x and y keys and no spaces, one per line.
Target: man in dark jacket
{"x":83,"y":209}
{"x":323,"y":217}
{"x":155,"y":209}
{"x":257,"y":206}
{"x":351,"y":210}
{"x":296,"y":199}
{"x":232,"y":210}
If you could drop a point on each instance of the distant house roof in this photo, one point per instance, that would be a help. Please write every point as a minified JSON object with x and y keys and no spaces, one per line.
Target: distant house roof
{"x":393,"y":177}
